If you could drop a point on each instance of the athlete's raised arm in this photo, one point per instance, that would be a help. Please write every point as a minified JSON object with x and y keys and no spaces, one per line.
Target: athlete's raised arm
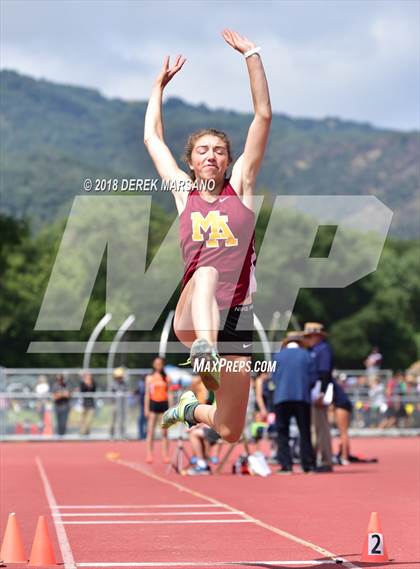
{"x":162,"y":157}
{"x":245,"y":170}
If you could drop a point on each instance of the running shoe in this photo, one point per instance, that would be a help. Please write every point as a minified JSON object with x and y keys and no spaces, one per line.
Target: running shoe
{"x":198,"y":470}
{"x":177,"y":414}
{"x":202,"y":350}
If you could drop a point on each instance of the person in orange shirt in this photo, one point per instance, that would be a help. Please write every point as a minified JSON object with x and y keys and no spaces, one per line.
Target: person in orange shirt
{"x":156,"y":402}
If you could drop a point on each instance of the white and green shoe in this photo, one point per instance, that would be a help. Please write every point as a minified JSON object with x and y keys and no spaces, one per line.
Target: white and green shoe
{"x":209,"y":368}
{"x":177,"y":414}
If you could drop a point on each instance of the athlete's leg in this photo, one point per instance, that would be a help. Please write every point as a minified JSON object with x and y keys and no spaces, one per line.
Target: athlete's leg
{"x":342,"y":417}
{"x":204,"y":309}
{"x":197,"y":313}
{"x":228,"y":416}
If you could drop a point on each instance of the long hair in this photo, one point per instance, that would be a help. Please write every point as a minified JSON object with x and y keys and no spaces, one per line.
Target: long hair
{"x":192,"y":139}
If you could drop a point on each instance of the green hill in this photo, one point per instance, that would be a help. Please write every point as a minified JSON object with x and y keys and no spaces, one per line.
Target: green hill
{"x":53,"y":136}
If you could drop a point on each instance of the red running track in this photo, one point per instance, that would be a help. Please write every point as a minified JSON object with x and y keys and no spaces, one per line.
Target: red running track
{"x":148,"y":518}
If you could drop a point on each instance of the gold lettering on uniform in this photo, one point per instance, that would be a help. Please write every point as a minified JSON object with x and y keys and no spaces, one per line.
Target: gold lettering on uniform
{"x":219,"y":229}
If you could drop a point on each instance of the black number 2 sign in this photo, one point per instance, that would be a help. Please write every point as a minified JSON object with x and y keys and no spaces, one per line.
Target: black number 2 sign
{"x":376,"y":544}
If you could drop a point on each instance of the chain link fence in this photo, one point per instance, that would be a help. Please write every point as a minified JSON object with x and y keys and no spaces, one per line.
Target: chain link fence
{"x":28,"y":411}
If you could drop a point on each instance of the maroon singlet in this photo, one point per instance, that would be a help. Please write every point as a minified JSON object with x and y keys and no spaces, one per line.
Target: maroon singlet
{"x":221,"y":235}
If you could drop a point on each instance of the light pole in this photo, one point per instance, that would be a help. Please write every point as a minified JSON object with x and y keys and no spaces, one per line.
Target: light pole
{"x":263,"y":337}
{"x":93,"y":337}
{"x":114,"y":346}
{"x":165,"y":334}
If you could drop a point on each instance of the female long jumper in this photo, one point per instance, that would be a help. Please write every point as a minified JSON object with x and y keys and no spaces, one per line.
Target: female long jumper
{"x":218,"y":246}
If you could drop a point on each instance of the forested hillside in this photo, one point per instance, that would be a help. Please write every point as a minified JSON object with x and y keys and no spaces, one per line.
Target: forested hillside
{"x":53,"y":136}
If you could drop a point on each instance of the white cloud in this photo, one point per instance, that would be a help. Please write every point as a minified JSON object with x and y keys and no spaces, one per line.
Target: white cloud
{"x":356,"y":60}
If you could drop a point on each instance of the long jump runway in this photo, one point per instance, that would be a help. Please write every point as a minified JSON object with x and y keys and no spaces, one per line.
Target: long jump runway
{"x":125,"y":513}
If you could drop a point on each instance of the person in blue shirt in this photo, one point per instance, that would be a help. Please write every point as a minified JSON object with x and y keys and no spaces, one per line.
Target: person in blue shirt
{"x":140,"y":392}
{"x":321,"y":352}
{"x":294,"y":376}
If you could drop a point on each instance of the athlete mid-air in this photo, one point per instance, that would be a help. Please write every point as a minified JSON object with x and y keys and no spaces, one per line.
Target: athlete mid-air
{"x":214,"y":314}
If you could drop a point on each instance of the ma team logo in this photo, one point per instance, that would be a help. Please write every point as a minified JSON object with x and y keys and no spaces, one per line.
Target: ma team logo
{"x":219,"y":229}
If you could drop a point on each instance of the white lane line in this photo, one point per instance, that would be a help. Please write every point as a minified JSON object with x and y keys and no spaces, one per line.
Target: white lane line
{"x":63,"y":541}
{"x":166,"y":522}
{"x":127,"y":506}
{"x":207,"y":563}
{"x":200,"y":495}
{"x":155,"y":514}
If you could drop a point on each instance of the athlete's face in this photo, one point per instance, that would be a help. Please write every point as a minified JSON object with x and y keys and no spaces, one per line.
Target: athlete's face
{"x":210,"y":158}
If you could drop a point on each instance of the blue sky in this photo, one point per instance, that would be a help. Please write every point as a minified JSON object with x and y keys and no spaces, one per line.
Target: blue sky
{"x":357,"y":60}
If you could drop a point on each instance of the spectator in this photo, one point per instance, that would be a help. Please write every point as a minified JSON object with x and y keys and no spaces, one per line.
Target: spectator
{"x":373,"y":362}
{"x":293,"y":379}
{"x":156,"y":402}
{"x":202,"y":438}
{"x":343,"y":408}
{"x":377,"y":402}
{"x":61,"y":396}
{"x":264,"y":392}
{"x":258,"y":428}
{"x":42,"y":390}
{"x":264,"y":397}
{"x":360,"y":393}
{"x":140,"y":392}
{"x":87,"y":385}
{"x":413,"y":375}
{"x":119,"y":405}
{"x":396,"y":415}
{"x":320,"y":349}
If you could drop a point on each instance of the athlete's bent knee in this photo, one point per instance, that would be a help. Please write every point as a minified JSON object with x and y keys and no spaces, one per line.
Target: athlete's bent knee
{"x":230,"y":435}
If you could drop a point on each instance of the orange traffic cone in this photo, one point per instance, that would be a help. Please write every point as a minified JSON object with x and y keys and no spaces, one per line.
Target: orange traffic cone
{"x":42,"y":552}
{"x":12,"y":550}
{"x":374,"y":545}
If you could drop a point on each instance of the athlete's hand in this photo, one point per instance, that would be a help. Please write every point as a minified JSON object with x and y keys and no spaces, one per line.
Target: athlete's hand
{"x":167,"y":72}
{"x":238,"y":42}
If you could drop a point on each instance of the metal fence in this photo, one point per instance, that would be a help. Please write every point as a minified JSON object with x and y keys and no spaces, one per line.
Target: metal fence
{"x":30,"y":413}
{"x":28,"y":410}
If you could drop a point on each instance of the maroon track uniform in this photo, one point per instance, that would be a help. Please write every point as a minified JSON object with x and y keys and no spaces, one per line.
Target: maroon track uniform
{"x":221,"y":235}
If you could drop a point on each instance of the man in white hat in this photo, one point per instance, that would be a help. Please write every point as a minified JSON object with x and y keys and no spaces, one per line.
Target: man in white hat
{"x":321,"y":351}
{"x":293,"y":377}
